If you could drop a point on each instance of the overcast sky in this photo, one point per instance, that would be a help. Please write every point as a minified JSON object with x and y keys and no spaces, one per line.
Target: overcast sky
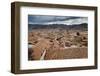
{"x":69,"y":20}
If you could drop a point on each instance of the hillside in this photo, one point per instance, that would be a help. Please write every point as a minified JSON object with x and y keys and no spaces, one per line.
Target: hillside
{"x":82,"y":26}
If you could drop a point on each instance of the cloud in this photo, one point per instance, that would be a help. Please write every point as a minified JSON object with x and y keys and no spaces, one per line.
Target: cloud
{"x":41,"y":19}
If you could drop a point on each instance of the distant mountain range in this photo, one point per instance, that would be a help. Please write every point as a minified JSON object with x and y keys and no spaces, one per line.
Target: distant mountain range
{"x":83,"y":26}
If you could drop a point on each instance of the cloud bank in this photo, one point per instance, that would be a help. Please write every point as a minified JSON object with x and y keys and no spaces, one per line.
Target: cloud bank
{"x":47,"y":19}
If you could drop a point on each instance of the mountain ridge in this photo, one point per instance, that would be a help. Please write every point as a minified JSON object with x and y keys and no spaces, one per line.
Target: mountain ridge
{"x":82,"y":26}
